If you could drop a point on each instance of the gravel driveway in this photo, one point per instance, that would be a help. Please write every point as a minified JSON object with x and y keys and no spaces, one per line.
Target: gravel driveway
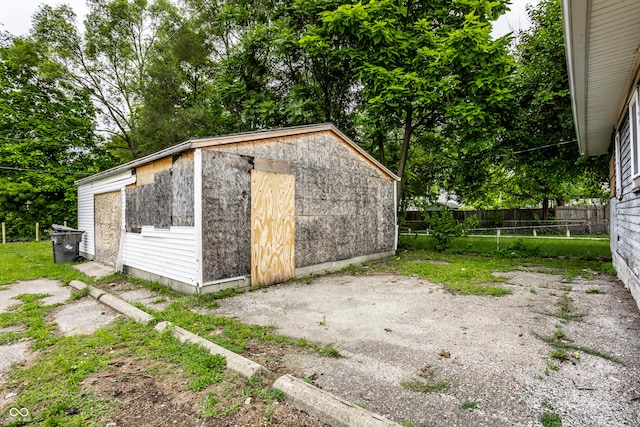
{"x":480,"y":353}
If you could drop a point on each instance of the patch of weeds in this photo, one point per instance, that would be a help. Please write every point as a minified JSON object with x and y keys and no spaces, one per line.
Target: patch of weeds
{"x":159,"y":300}
{"x":327,"y":351}
{"x":78,"y":294}
{"x":593,"y":291}
{"x":407,"y":423}
{"x":204,"y":368}
{"x":361,"y":405}
{"x":30,"y":314}
{"x":565,"y":311}
{"x":426,"y":382}
{"x":322,"y":322}
{"x":560,"y":354}
{"x":550,"y":419}
{"x":210,"y":401}
{"x":532,"y":290}
{"x":469,"y":404}
{"x":561,"y":345}
{"x":558,"y":333}
{"x":10,"y":337}
{"x":255,"y":387}
{"x":351,"y":269}
{"x":550,"y":367}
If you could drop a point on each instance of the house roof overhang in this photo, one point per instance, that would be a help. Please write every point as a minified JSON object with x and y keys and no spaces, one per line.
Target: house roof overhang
{"x":237,"y":139}
{"x":602,"y":39}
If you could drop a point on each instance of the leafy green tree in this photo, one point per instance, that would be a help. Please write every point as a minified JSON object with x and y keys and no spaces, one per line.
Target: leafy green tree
{"x":46,"y":136}
{"x":423,"y":67}
{"x":110,"y":59}
{"x":539,"y":157}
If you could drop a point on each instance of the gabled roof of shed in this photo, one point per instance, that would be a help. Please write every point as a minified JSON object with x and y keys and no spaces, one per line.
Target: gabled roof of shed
{"x":237,"y":138}
{"x":602,"y":39}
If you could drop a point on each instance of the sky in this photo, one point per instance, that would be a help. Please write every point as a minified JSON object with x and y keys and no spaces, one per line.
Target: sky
{"x":15,"y":15}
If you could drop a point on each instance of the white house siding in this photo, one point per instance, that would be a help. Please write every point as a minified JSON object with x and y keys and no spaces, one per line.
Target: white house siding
{"x":626,"y":219}
{"x":169,"y":253}
{"x":86,"y":193}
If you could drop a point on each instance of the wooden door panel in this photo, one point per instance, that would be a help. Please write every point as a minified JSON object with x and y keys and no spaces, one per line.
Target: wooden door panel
{"x":108,"y":223}
{"x":272,"y":227}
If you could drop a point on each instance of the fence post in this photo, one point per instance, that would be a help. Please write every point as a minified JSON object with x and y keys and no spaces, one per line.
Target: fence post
{"x":4,"y":234}
{"x":65,"y":223}
{"x":498,"y":238}
{"x":535,"y":234}
{"x":37,"y":231}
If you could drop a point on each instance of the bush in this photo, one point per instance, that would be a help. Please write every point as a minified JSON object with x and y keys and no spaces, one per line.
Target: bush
{"x":445,"y":228}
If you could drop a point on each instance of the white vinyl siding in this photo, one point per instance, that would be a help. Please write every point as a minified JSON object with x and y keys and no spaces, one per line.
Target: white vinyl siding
{"x":634,"y":127}
{"x":168,"y":253}
{"x":86,"y":193}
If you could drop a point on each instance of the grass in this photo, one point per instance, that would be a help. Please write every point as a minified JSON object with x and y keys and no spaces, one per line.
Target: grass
{"x":50,"y":386}
{"x":34,"y":260}
{"x":515,"y":247}
{"x":473,"y":275}
{"x":469,"y":405}
{"x":550,"y":419}
{"x":561,"y":347}
{"x":426,"y":382}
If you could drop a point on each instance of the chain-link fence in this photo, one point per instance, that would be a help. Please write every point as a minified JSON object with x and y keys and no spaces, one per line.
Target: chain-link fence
{"x":532,"y":228}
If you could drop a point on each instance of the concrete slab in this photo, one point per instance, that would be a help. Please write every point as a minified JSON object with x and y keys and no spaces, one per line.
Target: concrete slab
{"x":83,"y":317}
{"x":11,"y":353}
{"x":95,"y":269}
{"x":56,"y":292}
{"x":147,"y":298}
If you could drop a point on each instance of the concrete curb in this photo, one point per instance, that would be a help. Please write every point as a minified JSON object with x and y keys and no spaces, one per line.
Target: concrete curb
{"x":236,"y":363}
{"x":114,"y":302}
{"x":330,"y":409}
{"x":327,"y":407}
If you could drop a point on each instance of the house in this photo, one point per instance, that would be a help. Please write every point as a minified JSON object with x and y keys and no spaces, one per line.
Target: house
{"x":602,"y":38}
{"x":253,"y":208}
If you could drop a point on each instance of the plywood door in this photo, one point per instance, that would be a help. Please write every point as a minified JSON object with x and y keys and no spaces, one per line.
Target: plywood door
{"x":272,"y":227}
{"x":108,"y":218}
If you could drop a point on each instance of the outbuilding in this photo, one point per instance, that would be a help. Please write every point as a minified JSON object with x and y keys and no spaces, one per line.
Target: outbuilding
{"x":253,"y":208}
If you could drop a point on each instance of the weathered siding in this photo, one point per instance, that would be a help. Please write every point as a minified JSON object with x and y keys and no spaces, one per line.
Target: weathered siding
{"x":86,"y":193}
{"x":344,"y":205}
{"x":163,"y":194}
{"x":226,"y":215}
{"x":168,"y":253}
{"x":626,"y":218}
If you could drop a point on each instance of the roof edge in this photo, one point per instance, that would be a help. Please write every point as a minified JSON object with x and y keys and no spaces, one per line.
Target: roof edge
{"x":238,"y":138}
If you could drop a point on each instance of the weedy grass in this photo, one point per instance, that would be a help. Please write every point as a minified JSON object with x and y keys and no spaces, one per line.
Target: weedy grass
{"x":467,"y":267}
{"x":50,"y":385}
{"x":34,"y":260}
{"x":550,"y":419}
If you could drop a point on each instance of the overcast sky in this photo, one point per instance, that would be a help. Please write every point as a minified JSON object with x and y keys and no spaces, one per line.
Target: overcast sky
{"x":15,"y":15}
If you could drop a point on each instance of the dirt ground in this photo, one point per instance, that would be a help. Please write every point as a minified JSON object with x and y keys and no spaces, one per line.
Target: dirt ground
{"x":480,"y":351}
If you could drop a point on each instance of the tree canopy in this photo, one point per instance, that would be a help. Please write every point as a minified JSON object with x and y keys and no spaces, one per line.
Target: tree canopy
{"x":421,"y":85}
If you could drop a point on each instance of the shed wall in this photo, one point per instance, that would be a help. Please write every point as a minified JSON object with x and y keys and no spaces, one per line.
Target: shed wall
{"x":625,"y":242}
{"x":344,"y":205}
{"x":86,"y":193}
{"x":226,"y":215}
{"x":163,"y":194}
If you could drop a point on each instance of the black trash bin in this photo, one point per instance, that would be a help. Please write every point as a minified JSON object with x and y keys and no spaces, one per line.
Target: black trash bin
{"x":66,"y":243}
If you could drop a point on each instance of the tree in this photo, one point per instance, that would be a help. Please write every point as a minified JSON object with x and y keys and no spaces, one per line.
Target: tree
{"x":110,"y":60}
{"x":423,"y":67}
{"x":46,"y":136}
{"x":539,"y":155}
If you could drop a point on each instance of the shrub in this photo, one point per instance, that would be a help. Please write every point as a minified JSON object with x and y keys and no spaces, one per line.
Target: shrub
{"x":445,"y":228}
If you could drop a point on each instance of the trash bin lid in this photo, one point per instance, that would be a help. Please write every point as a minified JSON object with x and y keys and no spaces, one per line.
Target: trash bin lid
{"x":58,"y":227}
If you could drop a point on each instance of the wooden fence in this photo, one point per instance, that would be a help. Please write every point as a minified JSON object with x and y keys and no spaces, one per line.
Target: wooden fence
{"x":36,"y":236}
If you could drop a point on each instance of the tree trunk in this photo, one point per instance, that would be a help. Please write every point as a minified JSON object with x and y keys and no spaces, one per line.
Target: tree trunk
{"x":380,"y":142}
{"x":408,"y":128}
{"x":545,"y":209}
